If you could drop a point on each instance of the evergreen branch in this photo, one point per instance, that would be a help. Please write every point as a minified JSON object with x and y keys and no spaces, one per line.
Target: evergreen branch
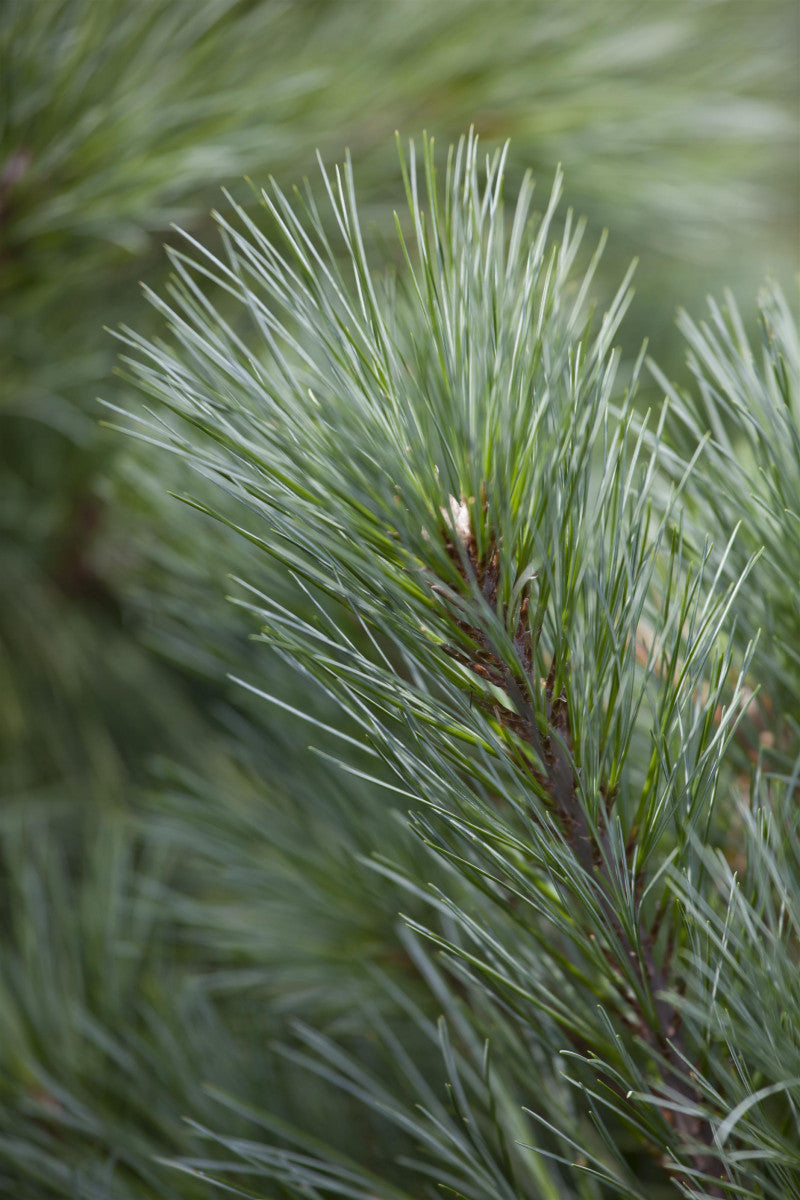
{"x":557,"y":778}
{"x":443,"y":462}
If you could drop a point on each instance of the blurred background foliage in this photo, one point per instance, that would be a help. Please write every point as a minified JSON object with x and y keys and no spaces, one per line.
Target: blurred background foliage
{"x":156,"y":934}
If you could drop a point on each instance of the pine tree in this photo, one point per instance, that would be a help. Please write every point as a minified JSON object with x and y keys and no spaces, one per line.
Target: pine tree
{"x":165,"y":923}
{"x":546,"y":650}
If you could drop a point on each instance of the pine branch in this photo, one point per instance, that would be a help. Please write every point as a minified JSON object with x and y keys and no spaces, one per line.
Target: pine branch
{"x":472,"y":512}
{"x":558,"y":779}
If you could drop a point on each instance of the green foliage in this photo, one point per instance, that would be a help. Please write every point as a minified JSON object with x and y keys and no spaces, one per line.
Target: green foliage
{"x":749,"y":400}
{"x":155,"y":946}
{"x":120,"y":118}
{"x":94,"y":1056}
{"x":443,"y":461}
